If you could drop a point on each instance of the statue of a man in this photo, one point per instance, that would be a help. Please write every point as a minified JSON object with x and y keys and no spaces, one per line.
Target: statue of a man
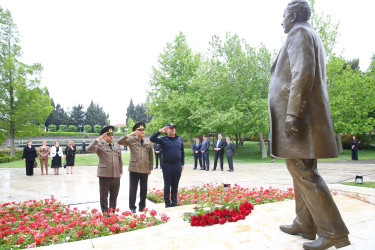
{"x":302,"y":131}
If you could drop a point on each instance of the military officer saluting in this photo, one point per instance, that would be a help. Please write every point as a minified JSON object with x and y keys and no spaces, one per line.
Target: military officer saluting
{"x":109,"y":168}
{"x":140,"y":165}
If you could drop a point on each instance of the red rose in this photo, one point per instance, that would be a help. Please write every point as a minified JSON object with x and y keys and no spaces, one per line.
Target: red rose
{"x":223,"y":220}
{"x":200,"y":217}
{"x":194,"y":218}
{"x":203,"y":223}
{"x":196,"y":223}
{"x":230,"y":219}
{"x":211,"y":221}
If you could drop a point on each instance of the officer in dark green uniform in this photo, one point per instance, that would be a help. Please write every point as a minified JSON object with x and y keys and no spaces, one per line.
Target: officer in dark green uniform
{"x":173,"y":161}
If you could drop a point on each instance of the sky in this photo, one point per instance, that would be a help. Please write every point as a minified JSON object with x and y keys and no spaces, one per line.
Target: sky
{"x":105,"y":50}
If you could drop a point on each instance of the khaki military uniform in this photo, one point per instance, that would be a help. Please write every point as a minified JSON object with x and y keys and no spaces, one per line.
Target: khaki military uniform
{"x":110,"y":169}
{"x":141,"y":162}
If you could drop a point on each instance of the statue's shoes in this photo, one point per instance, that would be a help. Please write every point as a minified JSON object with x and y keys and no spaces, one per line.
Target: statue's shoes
{"x":324,"y":243}
{"x":296,"y":230}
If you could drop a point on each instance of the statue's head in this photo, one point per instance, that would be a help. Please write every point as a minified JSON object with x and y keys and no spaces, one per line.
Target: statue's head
{"x":296,"y":11}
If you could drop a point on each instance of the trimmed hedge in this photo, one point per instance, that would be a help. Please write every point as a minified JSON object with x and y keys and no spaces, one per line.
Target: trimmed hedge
{"x":5,"y":157}
{"x":53,"y":134}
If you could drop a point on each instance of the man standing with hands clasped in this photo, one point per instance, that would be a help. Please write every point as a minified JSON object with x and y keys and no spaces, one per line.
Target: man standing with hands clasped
{"x":173,"y":161}
{"x":219,"y":146}
{"x":109,"y":168}
{"x":140,"y":165}
{"x":205,"y":150}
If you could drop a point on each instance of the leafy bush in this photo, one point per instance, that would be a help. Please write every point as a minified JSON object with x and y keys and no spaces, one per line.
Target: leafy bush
{"x":63,"y":128}
{"x":52,"y":128}
{"x":5,"y":157}
{"x":42,"y":126}
{"x":72,"y":128}
{"x":97,"y":128}
{"x":87,"y":128}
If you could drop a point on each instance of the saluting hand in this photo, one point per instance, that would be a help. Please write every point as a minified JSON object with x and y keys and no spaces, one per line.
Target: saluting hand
{"x":163,"y":130}
{"x":132,"y":133}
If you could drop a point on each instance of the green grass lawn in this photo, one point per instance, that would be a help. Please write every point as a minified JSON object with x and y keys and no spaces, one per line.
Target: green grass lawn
{"x":364,"y":184}
{"x":248,"y":153}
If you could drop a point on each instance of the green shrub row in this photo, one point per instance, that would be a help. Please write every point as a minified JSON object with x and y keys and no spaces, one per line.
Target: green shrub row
{"x":4,"y":157}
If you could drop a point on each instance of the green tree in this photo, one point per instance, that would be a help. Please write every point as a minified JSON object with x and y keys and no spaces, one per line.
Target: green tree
{"x":351,"y":103}
{"x":130,"y":111}
{"x":131,"y":124}
{"x":172,"y":94}
{"x":238,"y":83}
{"x":95,"y":115}
{"x":77,"y":115}
{"x":23,"y":104}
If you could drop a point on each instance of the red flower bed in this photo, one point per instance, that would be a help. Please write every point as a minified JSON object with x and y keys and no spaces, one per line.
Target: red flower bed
{"x":38,"y":223}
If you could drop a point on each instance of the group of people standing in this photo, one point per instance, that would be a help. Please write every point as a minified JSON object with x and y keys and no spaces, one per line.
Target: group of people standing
{"x":202,"y":150}
{"x":55,"y":152}
{"x":110,"y":167}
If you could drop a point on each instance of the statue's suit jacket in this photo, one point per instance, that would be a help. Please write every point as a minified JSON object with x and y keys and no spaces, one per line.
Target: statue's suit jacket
{"x":298,"y":87}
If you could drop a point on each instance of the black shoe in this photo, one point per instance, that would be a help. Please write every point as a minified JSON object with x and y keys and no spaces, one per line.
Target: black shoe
{"x":194,"y":168}
{"x":133,"y":211}
{"x":156,"y":168}
{"x":213,"y":169}
{"x":141,"y":209}
{"x":222,"y":169}
{"x":203,"y":169}
{"x":167,"y":205}
{"x":207,"y":169}
{"x":324,"y":243}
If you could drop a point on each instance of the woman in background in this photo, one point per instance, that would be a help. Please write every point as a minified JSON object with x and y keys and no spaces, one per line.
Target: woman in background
{"x":56,"y":155}
{"x":70,"y":153}
{"x":29,"y":155}
{"x":354,"y":145}
{"x":44,"y":151}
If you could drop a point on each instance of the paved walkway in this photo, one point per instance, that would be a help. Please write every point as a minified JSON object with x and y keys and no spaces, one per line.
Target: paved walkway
{"x":257,"y":231}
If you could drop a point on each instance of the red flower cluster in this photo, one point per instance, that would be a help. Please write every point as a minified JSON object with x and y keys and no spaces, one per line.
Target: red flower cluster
{"x":222,"y":215}
{"x":39,"y":223}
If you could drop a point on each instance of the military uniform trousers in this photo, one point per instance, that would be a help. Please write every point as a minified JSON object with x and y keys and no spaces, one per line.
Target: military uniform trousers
{"x":219,"y":154}
{"x":111,"y":186}
{"x":206,"y":160}
{"x":311,"y":195}
{"x":134,"y":179}
{"x":171,"y":176}
{"x":158,"y":157}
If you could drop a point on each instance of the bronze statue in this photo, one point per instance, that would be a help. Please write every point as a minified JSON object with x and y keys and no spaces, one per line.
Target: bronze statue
{"x":301,"y":129}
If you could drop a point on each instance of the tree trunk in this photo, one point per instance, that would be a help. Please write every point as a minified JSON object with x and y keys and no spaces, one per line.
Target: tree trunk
{"x":262,"y":146}
{"x":236,"y":140}
{"x":239,"y":135}
{"x":339,"y":143}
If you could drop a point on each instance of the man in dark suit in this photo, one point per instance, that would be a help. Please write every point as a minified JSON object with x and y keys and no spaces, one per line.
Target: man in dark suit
{"x":230,"y":153}
{"x":197,"y":153}
{"x":219,"y":146}
{"x":205,"y":150}
{"x":158,"y":155}
{"x":302,"y":131}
